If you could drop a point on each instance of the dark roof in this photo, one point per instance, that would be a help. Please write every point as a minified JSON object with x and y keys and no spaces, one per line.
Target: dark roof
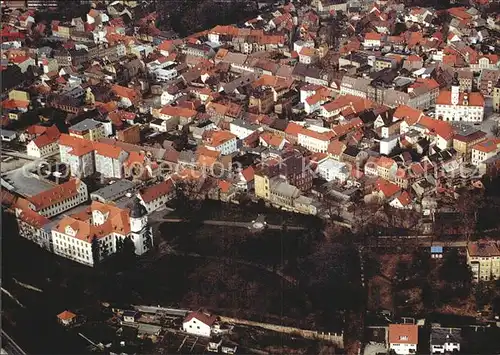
{"x":137,"y":210}
{"x":351,"y":151}
{"x":440,"y":336}
{"x":367,"y":116}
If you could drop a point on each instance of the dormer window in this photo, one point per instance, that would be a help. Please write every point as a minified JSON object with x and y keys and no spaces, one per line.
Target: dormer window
{"x":403,"y":337}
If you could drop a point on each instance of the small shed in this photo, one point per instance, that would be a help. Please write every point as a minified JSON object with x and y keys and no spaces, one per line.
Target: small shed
{"x":130,"y":316}
{"x":8,"y":136}
{"x":66,"y":318}
{"x":436,"y":251}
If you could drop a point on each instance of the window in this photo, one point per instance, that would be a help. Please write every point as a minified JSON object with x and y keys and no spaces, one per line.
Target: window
{"x":403,"y":337}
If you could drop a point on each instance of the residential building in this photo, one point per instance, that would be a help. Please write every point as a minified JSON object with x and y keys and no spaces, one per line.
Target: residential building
{"x":222,"y":141}
{"x":465,"y":78}
{"x":66,"y":318}
{"x":59,"y":198}
{"x":403,"y":338}
{"x":308,"y":55}
{"x":485,"y":150}
{"x":199,"y":50}
{"x":109,"y":160}
{"x":496,"y":97}
{"x":445,"y":340}
{"x":330,"y":170}
{"x":199,"y":324}
{"x":32,"y":225}
{"x":372,"y":40}
{"x":78,"y":154}
{"x":45,"y":144}
{"x":354,"y":86}
{"x":88,"y":129}
{"x":155,"y":197}
{"x":487,"y":61}
{"x":315,"y":139}
{"x":242,"y":129}
{"x":484,"y":260}
{"x":465,"y":138}
{"x":487,"y":81}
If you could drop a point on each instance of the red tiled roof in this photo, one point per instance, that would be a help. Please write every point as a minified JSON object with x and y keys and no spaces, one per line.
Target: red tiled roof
{"x":373,"y":36}
{"x":403,"y":334}
{"x":151,"y":193}
{"x":293,"y":129}
{"x":248,"y":173}
{"x":66,"y":315}
{"x":322,"y":136}
{"x":407,"y":113}
{"x":385,"y":162}
{"x":125,"y":92}
{"x":224,"y":186}
{"x":483,"y":249}
{"x":56,"y":194}
{"x":107,"y":150}
{"x":488,"y":146}
{"x":33,"y":218}
{"x":441,"y":128}
{"x":202,"y":317}
{"x":220,"y":137}
{"x":404,"y":198}
{"x":80,"y":146}
{"x":46,"y":139}
{"x":336,"y":147}
{"x":474,"y":98}
{"x":387,"y":188}
{"x":11,"y":104}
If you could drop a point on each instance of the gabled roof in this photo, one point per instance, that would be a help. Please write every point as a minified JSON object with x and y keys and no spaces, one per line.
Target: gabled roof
{"x":403,"y":334}
{"x":124,"y":92}
{"x":407,"y":113}
{"x":56,"y":194}
{"x":387,"y":188}
{"x":404,"y":199}
{"x":202,"y":317}
{"x":80,"y":146}
{"x":154,"y":192}
{"x":248,"y":173}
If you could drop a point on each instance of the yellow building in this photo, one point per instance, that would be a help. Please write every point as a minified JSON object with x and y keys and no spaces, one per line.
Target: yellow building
{"x":465,"y":138}
{"x":496,"y":97}
{"x":484,"y":260}
{"x":261,"y":187}
{"x":19,"y":95}
{"x":88,"y":129}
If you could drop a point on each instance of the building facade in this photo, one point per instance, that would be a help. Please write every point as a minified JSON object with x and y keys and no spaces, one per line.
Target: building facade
{"x":484,"y":260}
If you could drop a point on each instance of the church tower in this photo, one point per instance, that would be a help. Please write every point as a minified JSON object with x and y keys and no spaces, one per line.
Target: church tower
{"x":455,"y":90}
{"x":140,"y":232}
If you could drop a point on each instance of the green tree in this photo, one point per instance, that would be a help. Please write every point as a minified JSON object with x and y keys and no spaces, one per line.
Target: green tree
{"x":456,"y":273}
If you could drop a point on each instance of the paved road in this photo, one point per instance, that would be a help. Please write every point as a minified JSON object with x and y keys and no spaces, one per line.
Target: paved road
{"x":227,"y":223}
{"x":10,"y":346}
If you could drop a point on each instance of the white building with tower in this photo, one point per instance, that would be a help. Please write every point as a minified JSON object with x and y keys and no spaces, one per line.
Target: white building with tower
{"x":108,"y":225}
{"x":453,"y":105}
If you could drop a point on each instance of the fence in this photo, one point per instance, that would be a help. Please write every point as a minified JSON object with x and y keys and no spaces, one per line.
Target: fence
{"x":336,"y":338}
